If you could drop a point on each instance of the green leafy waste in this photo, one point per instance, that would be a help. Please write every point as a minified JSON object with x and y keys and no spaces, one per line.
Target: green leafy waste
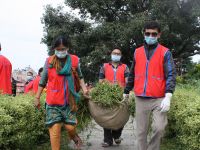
{"x":107,"y":95}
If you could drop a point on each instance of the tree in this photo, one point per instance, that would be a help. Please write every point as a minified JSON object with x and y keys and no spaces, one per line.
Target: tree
{"x":119,"y":23}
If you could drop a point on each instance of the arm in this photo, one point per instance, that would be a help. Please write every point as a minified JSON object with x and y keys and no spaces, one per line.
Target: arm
{"x":83,"y":86}
{"x":170,"y":73}
{"x":44,"y":76}
{"x":42,"y":85}
{"x":101,"y":74}
{"x":170,"y":76}
{"x":82,"y":82}
{"x":126,"y":73}
{"x":131,"y":76}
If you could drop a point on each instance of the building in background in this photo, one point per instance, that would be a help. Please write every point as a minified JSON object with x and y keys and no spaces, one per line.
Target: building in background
{"x":20,"y":75}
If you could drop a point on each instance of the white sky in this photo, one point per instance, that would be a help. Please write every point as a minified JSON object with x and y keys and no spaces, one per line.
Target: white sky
{"x":21,"y":32}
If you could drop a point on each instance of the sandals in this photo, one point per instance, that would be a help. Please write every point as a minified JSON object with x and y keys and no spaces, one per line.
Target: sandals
{"x":78,"y":142}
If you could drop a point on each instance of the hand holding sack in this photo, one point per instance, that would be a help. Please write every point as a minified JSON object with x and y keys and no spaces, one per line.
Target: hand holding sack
{"x":125,"y":97}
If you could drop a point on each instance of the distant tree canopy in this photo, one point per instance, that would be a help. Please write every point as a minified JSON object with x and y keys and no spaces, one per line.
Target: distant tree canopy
{"x":119,"y":23}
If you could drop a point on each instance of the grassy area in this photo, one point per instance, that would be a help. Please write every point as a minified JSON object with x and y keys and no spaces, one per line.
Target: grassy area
{"x":170,"y":144}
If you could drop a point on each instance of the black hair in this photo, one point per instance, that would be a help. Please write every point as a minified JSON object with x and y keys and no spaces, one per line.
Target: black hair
{"x":152,"y":25}
{"x":30,"y":73}
{"x":115,"y":47}
{"x":40,"y":70}
{"x":64,"y":40}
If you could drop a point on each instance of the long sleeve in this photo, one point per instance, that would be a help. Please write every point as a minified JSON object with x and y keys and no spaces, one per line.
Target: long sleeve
{"x":170,"y":73}
{"x":44,"y":76}
{"x":80,"y":75}
{"x":102,"y":72}
{"x":131,"y":76}
{"x":126,"y":72}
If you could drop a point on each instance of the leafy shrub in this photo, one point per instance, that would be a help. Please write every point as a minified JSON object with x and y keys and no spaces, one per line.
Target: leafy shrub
{"x":21,"y":124}
{"x":83,"y":114}
{"x":106,"y":94}
{"x":184,"y":117}
{"x":194,"y":73}
{"x":180,"y":79}
{"x":110,"y":95}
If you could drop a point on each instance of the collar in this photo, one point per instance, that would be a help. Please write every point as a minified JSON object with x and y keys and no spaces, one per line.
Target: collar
{"x":110,"y":63}
{"x":150,"y":47}
{"x":119,"y":64}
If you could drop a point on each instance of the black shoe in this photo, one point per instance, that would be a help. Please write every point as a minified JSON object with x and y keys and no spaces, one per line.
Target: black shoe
{"x":118,"y":141}
{"x":105,"y":144}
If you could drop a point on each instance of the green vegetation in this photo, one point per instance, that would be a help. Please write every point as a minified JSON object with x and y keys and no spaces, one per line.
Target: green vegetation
{"x":107,"y":95}
{"x":119,"y":23}
{"x":23,"y":126}
{"x":191,"y":77}
{"x":184,"y":117}
{"x":21,"y":123}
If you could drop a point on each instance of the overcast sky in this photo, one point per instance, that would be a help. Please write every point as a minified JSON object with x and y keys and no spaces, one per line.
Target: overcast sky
{"x":21,"y":32}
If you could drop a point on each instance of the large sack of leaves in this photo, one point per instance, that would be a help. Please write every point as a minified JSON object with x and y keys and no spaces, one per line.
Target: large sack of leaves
{"x":106,"y":106}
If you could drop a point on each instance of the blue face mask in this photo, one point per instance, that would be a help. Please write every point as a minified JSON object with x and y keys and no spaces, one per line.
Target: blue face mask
{"x":115,"y":58}
{"x":150,"y":40}
{"x":61,"y":54}
{"x":29,"y":78}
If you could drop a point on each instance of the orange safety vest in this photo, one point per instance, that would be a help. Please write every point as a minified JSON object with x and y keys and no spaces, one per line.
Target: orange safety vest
{"x":149,"y":74}
{"x":5,"y":75}
{"x":115,"y":76}
{"x":29,"y":87}
{"x":36,"y":84}
{"x":57,"y":88}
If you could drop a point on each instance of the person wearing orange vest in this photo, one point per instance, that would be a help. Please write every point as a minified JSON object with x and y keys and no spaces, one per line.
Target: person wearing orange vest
{"x":61,"y":94}
{"x":29,"y":83}
{"x":153,"y":77}
{"x":37,"y":80}
{"x":33,"y":84}
{"x":114,"y":72}
{"x":5,"y":75}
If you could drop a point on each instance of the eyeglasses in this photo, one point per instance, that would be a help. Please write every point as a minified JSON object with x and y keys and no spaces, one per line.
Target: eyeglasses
{"x":153,"y":34}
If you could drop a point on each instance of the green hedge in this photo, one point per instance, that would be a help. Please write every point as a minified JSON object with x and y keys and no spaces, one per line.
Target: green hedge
{"x":184,"y":117}
{"x":21,"y":124}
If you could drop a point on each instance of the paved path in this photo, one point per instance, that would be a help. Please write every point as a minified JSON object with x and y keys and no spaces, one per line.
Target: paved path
{"x":93,"y":136}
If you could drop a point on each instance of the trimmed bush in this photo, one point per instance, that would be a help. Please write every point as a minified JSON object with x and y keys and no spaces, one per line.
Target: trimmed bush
{"x":184,"y":117}
{"x":21,"y":124}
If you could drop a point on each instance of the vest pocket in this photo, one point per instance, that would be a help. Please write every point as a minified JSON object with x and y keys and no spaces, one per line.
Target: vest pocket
{"x":158,"y":86}
{"x":139,"y":84}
